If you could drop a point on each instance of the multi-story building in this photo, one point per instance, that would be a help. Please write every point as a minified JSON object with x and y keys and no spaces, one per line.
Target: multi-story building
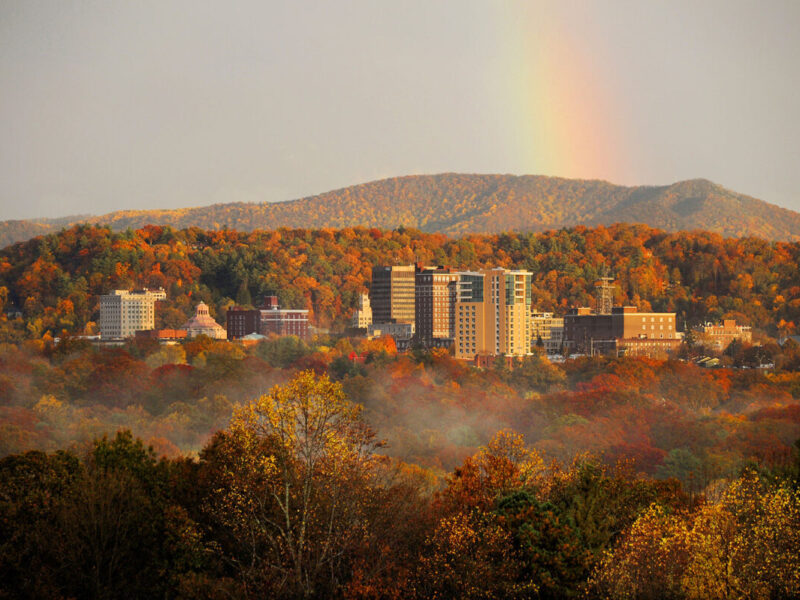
{"x":392,"y":294}
{"x":548,"y":329}
{"x":283,"y":321}
{"x":123,"y":312}
{"x":493,"y":314}
{"x":362,"y":316}
{"x":719,"y":336}
{"x":268,"y":319}
{"x":202,"y":324}
{"x":623,"y":330}
{"x":436,"y":293}
{"x":401,"y":332}
{"x":242,"y":321}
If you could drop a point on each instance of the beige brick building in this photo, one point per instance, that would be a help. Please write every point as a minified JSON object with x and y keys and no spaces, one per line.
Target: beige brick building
{"x":362,"y":316}
{"x":493,"y":313}
{"x":549,"y":329}
{"x":123,"y":313}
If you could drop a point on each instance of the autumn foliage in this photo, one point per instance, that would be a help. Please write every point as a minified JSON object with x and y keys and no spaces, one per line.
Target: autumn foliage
{"x":54,"y":281}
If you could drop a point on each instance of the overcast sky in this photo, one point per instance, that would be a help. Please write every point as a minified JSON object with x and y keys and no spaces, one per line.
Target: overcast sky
{"x":115,"y":105}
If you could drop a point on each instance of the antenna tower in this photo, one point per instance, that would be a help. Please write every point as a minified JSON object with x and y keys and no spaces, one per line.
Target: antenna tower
{"x":605,"y":295}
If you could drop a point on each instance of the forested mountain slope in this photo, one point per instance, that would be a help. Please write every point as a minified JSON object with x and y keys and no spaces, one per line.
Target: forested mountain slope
{"x":459,"y":203}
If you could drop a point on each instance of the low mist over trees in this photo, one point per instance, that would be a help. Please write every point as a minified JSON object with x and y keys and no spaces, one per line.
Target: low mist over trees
{"x":294,"y":499}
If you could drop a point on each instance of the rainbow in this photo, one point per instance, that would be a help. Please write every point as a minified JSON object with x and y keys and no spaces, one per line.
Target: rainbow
{"x":567,"y":121}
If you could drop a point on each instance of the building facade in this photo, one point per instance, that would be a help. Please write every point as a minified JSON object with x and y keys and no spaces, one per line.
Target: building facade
{"x":202,"y":324}
{"x":362,"y":316}
{"x":268,"y":319}
{"x":623,"y":331}
{"x":283,"y":321}
{"x":718,"y":336}
{"x":162,"y":335}
{"x":391,"y":294}
{"x":123,"y":312}
{"x":493,"y":314}
{"x":436,"y":293}
{"x":548,"y":329}
{"x":401,"y":332}
{"x":242,"y":321}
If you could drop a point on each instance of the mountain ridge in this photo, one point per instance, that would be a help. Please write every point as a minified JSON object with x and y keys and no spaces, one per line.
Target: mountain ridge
{"x":458,"y":204}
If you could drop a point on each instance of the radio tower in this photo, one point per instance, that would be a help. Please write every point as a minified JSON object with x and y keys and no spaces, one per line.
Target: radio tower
{"x":605,"y":295}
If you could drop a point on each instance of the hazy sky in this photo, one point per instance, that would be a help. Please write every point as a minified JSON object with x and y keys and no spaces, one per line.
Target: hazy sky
{"x":114,"y":105}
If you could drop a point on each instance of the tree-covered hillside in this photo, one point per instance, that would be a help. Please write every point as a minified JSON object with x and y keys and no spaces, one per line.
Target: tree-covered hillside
{"x":55,"y":281}
{"x":456,"y":204}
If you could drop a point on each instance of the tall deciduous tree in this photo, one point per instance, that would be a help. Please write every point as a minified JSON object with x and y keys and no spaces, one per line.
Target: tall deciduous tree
{"x":296,"y":471}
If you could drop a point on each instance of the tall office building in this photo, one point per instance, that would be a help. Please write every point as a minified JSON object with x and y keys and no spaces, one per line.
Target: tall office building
{"x":436,"y":293}
{"x":493,"y":314}
{"x":392,"y":294}
{"x":123,"y":313}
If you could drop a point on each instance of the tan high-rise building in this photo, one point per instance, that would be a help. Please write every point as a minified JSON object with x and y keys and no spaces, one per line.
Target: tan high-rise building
{"x":493,"y":314}
{"x":123,"y":313}
{"x":392,"y":294}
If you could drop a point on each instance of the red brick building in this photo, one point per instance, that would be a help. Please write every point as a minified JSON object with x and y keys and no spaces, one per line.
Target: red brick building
{"x":622,"y":331}
{"x":720,"y":335}
{"x":242,"y":321}
{"x":268,"y":319}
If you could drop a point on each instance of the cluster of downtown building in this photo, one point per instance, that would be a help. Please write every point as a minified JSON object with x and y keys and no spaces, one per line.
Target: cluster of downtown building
{"x":125,"y":314}
{"x":489,"y":313}
{"x":479,"y":314}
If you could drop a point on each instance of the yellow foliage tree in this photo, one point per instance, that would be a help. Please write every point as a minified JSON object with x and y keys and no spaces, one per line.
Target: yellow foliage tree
{"x":297,"y":471}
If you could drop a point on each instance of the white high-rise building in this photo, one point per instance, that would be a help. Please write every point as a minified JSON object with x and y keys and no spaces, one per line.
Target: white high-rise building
{"x":123,"y":313}
{"x":362,"y":316}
